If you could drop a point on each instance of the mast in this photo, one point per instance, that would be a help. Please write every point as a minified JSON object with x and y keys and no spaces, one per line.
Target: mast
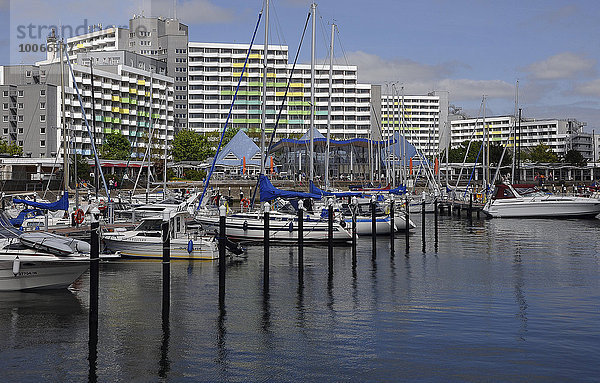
{"x":486,"y":151}
{"x":393,"y":154}
{"x":313,"y":9}
{"x":166,"y":141}
{"x":263,"y":123}
{"x":96,"y":181}
{"x":64,"y":120}
{"x":403,"y":142}
{"x":512,"y":172}
{"x":329,"y":109}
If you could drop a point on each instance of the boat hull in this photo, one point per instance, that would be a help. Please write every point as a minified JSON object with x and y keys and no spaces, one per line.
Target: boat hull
{"x":543,"y":208}
{"x":202,"y":249}
{"x":285,"y":231}
{"x":40,"y":272}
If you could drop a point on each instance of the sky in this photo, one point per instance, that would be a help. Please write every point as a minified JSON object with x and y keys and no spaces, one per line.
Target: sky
{"x":469,"y":48}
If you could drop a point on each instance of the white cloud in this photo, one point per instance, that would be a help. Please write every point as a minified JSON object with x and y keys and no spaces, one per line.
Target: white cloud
{"x":590,"y":88}
{"x":565,"y":65}
{"x":423,"y":78}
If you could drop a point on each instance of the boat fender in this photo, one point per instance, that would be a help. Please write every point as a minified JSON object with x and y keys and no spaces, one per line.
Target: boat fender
{"x":190,"y":247}
{"x":291,"y":226}
{"x":245,"y":226}
{"x":16,"y":266}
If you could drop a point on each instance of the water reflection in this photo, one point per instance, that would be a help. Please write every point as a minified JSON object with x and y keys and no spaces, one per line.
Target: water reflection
{"x":519,"y":294}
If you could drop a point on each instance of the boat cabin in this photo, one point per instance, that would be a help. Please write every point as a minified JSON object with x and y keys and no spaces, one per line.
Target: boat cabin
{"x":506,"y":191}
{"x":152,"y":226}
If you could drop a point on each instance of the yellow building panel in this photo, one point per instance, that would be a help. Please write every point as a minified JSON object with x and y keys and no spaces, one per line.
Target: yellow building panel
{"x":141,"y":82}
{"x":255,"y":56}
{"x":238,"y":65}
{"x":297,"y":85}
{"x":270,"y":74}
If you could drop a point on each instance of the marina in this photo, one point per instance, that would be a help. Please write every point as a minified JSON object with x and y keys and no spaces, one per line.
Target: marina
{"x":512,"y":299}
{"x":175,"y":210}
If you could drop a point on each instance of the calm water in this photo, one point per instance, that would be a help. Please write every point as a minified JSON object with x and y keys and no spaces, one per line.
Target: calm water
{"x":500,"y":300}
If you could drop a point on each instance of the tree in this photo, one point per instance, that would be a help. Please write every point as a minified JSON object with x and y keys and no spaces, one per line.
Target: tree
{"x":12,"y":149}
{"x":83,"y":168}
{"x":215,"y":136}
{"x":190,"y":146}
{"x":115,"y":147}
{"x":574,"y":157}
{"x":542,"y":154}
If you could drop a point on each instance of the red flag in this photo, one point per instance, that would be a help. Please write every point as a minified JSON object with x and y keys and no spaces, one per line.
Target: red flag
{"x":410,"y":167}
{"x":272,"y":165}
{"x":244,"y":166}
{"x":436,"y":166}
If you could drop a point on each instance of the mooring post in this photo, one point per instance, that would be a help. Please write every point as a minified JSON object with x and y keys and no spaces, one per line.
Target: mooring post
{"x":470,"y":203}
{"x":266,"y":234}
{"x":392,"y":227}
{"x":222,"y":248}
{"x":435,"y":224}
{"x":93,"y":318}
{"x":423,"y":223}
{"x":373,"y":227}
{"x":407,"y":224}
{"x":166,"y":268}
{"x":330,"y":237}
{"x":300,"y":240}
{"x":354,"y":210}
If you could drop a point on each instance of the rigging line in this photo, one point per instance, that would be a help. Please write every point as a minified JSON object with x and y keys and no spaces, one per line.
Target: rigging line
{"x":212,"y":167}
{"x":341,"y":45}
{"x":278,"y":29}
{"x":287,"y":88}
{"x":88,"y":127}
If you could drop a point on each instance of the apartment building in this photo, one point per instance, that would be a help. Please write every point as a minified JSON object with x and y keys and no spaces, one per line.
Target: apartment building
{"x":133,"y":100}
{"x":163,"y":39}
{"x":214,"y":71}
{"x":561,"y":135}
{"x":423,"y":119}
{"x":28,"y":116}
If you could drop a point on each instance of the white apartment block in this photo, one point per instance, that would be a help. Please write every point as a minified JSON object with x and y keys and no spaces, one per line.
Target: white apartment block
{"x":560,"y":135}
{"x":425,"y":122}
{"x":214,"y":71}
{"x":138,"y":103}
{"x":109,"y":39}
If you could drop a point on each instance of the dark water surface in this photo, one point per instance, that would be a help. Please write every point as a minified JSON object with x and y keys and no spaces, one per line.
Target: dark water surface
{"x":500,"y":300}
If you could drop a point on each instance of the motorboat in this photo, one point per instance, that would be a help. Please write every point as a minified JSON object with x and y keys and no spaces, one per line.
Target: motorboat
{"x":145,"y":240}
{"x":527,"y":200}
{"x":39,"y":260}
{"x":364,"y":219}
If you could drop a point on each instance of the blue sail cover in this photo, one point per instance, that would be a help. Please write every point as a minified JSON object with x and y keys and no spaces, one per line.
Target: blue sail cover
{"x":399,"y":190}
{"x":61,"y":204}
{"x":268,"y":192}
{"x":315,"y":190}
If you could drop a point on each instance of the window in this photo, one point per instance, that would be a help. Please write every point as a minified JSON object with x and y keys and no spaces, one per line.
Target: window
{"x":21,"y":93}
{"x":20,"y":143}
{"x":43,"y":92}
{"x":20,"y":118}
{"x":27,"y":73}
{"x":20,"y":105}
{"x":42,"y":118}
{"x":20,"y":130}
{"x":42,"y":143}
{"x":42,"y":130}
{"x":5,"y":106}
{"x":5,"y":118}
{"x":5,"y":93}
{"x":42,"y":105}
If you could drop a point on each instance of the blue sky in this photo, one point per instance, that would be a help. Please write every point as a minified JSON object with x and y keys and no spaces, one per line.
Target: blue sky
{"x":469,"y":48}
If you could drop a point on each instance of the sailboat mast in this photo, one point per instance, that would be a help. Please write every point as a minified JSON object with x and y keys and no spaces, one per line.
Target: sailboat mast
{"x":64,"y":119}
{"x":329,"y":109}
{"x":313,"y":9}
{"x":512,"y":172}
{"x":486,"y":153}
{"x":263,"y":122}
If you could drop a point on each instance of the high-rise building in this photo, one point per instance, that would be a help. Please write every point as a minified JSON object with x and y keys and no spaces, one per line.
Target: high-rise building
{"x":425,"y":121}
{"x":561,"y":135}
{"x":214,"y":71}
{"x":163,"y":39}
